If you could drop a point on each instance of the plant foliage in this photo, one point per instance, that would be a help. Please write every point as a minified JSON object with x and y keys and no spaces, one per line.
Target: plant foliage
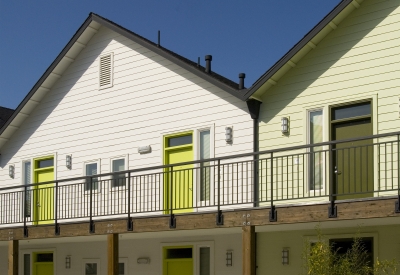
{"x":320,"y":258}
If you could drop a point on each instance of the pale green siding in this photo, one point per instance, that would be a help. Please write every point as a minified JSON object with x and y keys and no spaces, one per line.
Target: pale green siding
{"x":357,"y":61}
{"x":270,"y":244}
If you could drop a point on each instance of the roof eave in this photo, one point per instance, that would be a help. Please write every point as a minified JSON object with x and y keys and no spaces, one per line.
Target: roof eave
{"x":296,"y":48}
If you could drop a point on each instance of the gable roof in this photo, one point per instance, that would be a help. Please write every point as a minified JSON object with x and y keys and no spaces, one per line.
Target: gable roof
{"x":5,"y":113}
{"x":75,"y":46}
{"x":299,"y":50}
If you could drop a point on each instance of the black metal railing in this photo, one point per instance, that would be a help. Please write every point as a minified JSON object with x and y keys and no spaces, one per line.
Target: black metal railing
{"x":329,"y":171}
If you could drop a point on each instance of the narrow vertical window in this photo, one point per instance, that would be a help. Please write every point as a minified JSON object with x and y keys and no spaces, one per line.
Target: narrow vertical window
{"x":91,"y":170}
{"x":118,"y":165}
{"x":205,"y":170}
{"x":27,"y":264}
{"x":205,"y":265}
{"x":27,"y":181}
{"x":316,"y":156}
{"x":106,"y":71}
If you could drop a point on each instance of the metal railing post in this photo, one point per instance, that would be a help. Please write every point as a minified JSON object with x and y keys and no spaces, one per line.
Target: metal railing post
{"x":24,"y":212}
{"x":91,"y":224}
{"x":332,"y":209}
{"x":130,"y":223}
{"x":273,"y":215}
{"x":57,"y":226}
{"x":220,"y":217}
{"x":172,"y":220}
{"x":397,"y":203}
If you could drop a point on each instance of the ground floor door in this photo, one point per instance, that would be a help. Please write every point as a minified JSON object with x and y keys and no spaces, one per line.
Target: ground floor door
{"x":353,"y":161}
{"x":43,"y":263}
{"x":178,"y":187}
{"x":43,"y":203}
{"x":178,"y":260}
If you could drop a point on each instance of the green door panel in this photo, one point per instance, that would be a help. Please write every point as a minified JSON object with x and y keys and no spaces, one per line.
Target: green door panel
{"x":178,"y":180}
{"x":43,"y":203}
{"x":182,"y":180}
{"x":43,"y":269}
{"x":354,"y":160}
{"x":179,"y":267}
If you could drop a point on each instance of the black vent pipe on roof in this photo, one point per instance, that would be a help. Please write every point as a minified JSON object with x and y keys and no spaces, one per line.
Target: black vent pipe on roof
{"x":241,"y":80}
{"x":159,"y":38}
{"x":208,"y":63}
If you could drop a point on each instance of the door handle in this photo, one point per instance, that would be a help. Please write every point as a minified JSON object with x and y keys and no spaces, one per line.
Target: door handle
{"x":337,"y":172}
{"x":38,"y":204}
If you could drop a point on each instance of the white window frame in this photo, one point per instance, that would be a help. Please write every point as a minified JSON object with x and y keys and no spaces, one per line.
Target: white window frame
{"x":197,"y":176}
{"x":91,"y":261}
{"x":126,"y":159}
{"x":111,"y":71}
{"x":308,"y":136}
{"x":23,"y":173}
{"x":98,"y":162}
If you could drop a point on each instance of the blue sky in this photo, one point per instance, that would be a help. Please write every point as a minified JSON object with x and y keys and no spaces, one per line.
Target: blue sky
{"x":242,"y":35}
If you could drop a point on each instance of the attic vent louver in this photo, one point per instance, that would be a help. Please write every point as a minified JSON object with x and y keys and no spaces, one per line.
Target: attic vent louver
{"x":106,"y":71}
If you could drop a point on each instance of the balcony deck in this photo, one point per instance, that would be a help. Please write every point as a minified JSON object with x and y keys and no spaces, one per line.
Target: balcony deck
{"x":335,"y":180}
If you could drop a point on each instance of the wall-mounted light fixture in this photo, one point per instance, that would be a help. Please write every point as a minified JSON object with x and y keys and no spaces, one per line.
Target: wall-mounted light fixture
{"x":68,"y":161}
{"x":229,"y":257}
{"x":143,"y":260}
{"x":144,"y":149}
{"x":68,"y":262}
{"x":285,"y":256}
{"x":285,"y":125}
{"x":11,"y":171}
{"x":228,"y":134}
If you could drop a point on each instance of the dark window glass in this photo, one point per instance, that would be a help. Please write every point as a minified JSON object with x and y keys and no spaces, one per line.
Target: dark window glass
{"x":179,"y":253}
{"x":91,"y":269}
{"x":182,"y":140}
{"x":121,"y":269}
{"x":343,"y":245}
{"x":349,"y":111}
{"x":205,"y":266}
{"x":91,"y":169}
{"x":45,"y":163}
{"x":44,"y":257}
{"x":119,"y":179}
{"x":27,"y":264}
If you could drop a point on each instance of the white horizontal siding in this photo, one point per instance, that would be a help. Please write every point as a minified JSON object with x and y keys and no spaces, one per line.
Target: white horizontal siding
{"x":150,"y":96}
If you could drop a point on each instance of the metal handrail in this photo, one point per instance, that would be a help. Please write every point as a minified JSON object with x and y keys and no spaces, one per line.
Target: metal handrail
{"x":306,"y":146}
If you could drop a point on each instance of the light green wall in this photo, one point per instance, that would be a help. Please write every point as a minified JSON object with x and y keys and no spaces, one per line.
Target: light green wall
{"x":357,"y":61}
{"x":270,"y":245}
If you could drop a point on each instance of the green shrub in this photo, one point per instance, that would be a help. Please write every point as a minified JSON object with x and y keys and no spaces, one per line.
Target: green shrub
{"x":320,"y":258}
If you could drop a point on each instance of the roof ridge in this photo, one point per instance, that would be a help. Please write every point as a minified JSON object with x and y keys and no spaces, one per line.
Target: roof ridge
{"x":213,"y":74}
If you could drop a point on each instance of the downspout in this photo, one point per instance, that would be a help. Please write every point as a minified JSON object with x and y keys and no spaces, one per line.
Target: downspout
{"x":254,"y":110}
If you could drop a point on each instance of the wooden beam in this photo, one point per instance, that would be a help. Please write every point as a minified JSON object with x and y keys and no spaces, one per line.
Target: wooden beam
{"x":249,"y":250}
{"x":290,"y":214}
{"x":13,"y":257}
{"x":112,"y":249}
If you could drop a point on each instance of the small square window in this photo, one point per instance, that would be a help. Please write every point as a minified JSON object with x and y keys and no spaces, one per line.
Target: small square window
{"x":91,"y":267}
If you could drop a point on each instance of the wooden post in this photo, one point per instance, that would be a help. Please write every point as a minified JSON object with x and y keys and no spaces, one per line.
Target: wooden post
{"x":112,"y":247}
{"x":13,"y":257}
{"x":249,"y":250}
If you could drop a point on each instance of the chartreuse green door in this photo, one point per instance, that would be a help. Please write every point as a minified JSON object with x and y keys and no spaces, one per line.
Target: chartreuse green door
{"x":43,"y":170}
{"x":43,"y":263}
{"x":178,"y":260}
{"x":353,"y":160}
{"x":178,"y":183}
